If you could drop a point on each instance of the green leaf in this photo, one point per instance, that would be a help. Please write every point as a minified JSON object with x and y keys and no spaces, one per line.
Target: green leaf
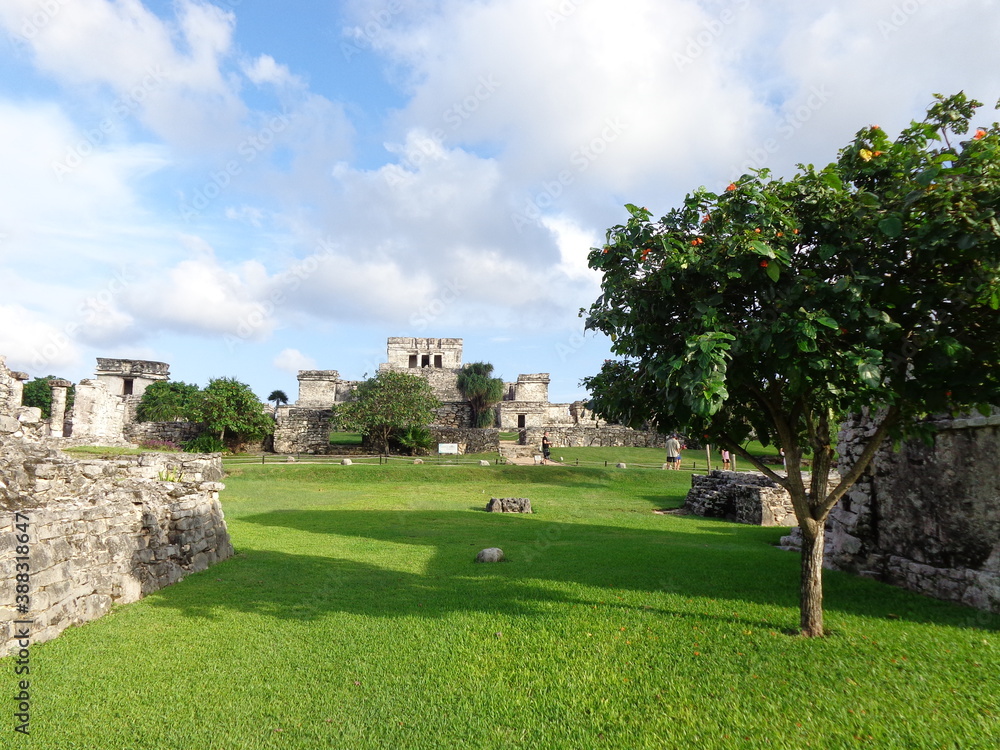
{"x":870,"y":374}
{"x":773,"y":271}
{"x":828,"y":322}
{"x":762,"y":249}
{"x":891,"y":227}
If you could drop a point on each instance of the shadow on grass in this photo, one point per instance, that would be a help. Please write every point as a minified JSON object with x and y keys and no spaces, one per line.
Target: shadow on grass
{"x":728,"y":563}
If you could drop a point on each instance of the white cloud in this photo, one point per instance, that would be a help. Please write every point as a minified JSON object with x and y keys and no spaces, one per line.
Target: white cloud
{"x":35,"y":345}
{"x":292,"y":360}
{"x":266,"y":70}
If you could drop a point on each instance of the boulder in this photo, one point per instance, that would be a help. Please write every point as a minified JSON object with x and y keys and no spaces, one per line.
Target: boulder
{"x":484,"y":463}
{"x":418,"y":460}
{"x":620,"y":466}
{"x":346,"y":462}
{"x":491,"y":555}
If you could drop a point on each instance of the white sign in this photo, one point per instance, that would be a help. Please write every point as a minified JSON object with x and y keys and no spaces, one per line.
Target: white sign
{"x":444,"y":448}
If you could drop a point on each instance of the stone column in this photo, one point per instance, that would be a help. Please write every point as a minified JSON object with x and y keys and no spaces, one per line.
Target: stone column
{"x":60,"y":389}
{"x":17,"y":388}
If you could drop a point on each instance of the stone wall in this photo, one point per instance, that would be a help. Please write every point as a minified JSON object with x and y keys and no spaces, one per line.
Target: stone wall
{"x":101,"y":532}
{"x":469,"y":440}
{"x":299,"y":430}
{"x":532,"y":387}
{"x":926,"y":517}
{"x":744,"y":497}
{"x":174,"y":432}
{"x":98,"y":414}
{"x":318,"y":388}
{"x":578,"y":436}
{"x":453,"y":414}
{"x":405,"y":352}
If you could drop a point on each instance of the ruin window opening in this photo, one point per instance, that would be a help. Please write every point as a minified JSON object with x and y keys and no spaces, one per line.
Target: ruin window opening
{"x":127,"y":386}
{"x":522,"y":421}
{"x":425,"y":360}
{"x":438,"y":363}
{"x":413,"y":360}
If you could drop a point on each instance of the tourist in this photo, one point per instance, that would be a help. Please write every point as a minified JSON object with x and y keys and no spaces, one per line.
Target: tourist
{"x":674,"y":452}
{"x":726,"y":460}
{"x":546,"y":447}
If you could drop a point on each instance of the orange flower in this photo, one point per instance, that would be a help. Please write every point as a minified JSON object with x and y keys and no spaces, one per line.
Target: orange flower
{"x":697,"y":241}
{"x":757,"y":230}
{"x":731,"y":188}
{"x":763,"y":264}
{"x":877,"y":153}
{"x":875,"y":127}
{"x":705,"y":218}
{"x":795,"y":231}
{"x":980,"y":134}
{"x":781,"y":234}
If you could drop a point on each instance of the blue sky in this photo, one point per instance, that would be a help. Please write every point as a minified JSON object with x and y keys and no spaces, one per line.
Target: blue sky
{"x":245,"y":189}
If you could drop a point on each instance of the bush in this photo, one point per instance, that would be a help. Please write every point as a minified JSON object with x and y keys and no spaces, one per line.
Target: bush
{"x":415,"y":439}
{"x":205,"y":443}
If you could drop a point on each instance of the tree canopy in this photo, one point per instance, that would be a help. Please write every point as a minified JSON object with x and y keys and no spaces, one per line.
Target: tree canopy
{"x":478,"y":386}
{"x":167,"y":400}
{"x":278,"y":398}
{"x":230,"y":408}
{"x":776,"y":308}
{"x":38,"y":393}
{"x":387,"y":404}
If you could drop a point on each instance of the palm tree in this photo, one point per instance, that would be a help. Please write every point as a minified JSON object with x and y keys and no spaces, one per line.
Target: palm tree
{"x":279,"y":398}
{"x":481,"y":391}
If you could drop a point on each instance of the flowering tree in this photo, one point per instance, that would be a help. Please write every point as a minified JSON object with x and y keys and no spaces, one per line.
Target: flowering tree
{"x":385,"y":405}
{"x":777,"y":308}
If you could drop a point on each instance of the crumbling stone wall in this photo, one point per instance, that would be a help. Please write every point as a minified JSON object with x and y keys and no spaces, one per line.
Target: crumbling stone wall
{"x":469,"y":440}
{"x":745,"y":497}
{"x":578,"y":436}
{"x":100,"y":531}
{"x":926,"y":518}
{"x":98,"y":414}
{"x":298,"y":430}
{"x":454,"y":414}
{"x":174,"y":432}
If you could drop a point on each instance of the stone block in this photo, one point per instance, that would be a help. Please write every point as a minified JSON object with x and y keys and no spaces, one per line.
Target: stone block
{"x":490,"y":555}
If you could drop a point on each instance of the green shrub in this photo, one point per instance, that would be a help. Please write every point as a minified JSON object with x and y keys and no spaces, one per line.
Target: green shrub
{"x":415,"y":439}
{"x":205,"y":443}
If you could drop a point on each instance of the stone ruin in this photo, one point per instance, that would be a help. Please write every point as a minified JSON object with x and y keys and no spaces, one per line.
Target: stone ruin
{"x":741,"y":496}
{"x":304,"y":426}
{"x":508,"y":505}
{"x":925,"y":517}
{"x":99,"y":532}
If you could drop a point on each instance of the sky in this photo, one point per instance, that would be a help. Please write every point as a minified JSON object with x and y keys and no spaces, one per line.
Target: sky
{"x":245,"y":189}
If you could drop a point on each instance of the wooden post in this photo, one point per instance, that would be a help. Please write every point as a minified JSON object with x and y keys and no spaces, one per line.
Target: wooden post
{"x":708,"y":457}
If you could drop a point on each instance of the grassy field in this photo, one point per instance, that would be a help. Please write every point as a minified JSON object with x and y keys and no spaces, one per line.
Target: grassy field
{"x":353,"y":616}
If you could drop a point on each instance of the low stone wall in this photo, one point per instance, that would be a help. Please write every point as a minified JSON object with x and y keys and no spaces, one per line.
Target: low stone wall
{"x":174,"y":432}
{"x":744,"y":497}
{"x":299,"y":430}
{"x":580,"y":436}
{"x":469,"y":439}
{"x":926,"y":518}
{"x":100,"y":532}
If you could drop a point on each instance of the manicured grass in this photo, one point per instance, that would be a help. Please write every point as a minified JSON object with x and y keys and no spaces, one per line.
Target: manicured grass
{"x":345,"y":438}
{"x":354,"y":617}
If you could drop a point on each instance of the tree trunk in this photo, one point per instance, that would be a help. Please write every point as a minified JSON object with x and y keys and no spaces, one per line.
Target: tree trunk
{"x":811,"y":589}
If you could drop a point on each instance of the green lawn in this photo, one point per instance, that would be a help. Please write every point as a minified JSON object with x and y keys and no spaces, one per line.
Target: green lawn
{"x":354,"y":617}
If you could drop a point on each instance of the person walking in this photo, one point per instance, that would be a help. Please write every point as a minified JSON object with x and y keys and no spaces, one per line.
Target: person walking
{"x":546,"y":447}
{"x":674,"y":452}
{"x":726,"y":460}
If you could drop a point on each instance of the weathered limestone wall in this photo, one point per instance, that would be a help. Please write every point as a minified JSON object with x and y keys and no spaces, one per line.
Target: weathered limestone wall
{"x":318,"y":388}
{"x":11,"y":388}
{"x":535,"y":414}
{"x":453,"y":414}
{"x":533,"y":387}
{"x":98,"y":413}
{"x":469,"y":440}
{"x":404,"y":352}
{"x":100,"y":532}
{"x":926,"y":518}
{"x":744,"y":497}
{"x":582,"y":436}
{"x":299,"y":430}
{"x":174,"y":432}
{"x":130,"y":377}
